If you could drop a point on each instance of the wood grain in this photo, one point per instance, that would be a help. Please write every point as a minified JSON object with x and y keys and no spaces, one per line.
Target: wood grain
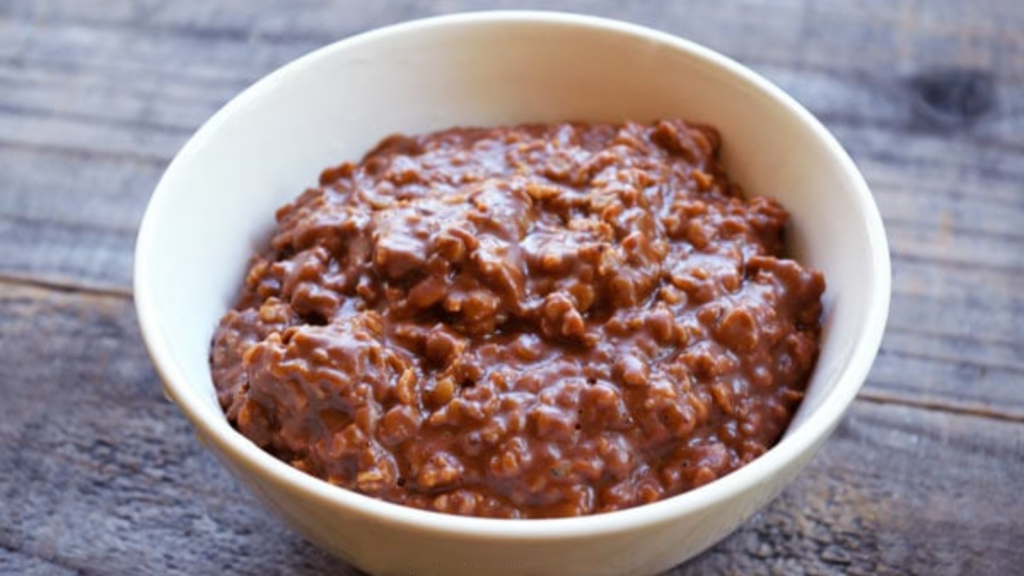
{"x":951,"y":194}
{"x":98,"y":475}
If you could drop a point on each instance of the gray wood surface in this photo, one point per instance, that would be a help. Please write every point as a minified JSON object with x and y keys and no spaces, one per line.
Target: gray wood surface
{"x":100,"y":475}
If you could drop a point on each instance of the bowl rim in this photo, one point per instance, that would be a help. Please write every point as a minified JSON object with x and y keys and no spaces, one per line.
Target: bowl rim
{"x":213,"y":427}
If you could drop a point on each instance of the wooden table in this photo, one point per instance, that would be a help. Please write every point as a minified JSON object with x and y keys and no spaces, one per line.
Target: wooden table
{"x":100,"y":475}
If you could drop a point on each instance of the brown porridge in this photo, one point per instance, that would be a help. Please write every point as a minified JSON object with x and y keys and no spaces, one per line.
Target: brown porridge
{"x":528,"y":321}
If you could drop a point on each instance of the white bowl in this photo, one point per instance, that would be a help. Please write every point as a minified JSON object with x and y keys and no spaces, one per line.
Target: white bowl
{"x":215,"y":205}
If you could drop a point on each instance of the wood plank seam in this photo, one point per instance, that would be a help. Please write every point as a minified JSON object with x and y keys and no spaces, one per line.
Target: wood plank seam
{"x":956,"y":229}
{"x":894,"y":327}
{"x":64,"y":287}
{"x":45,"y":113}
{"x":76,"y":152}
{"x":898,"y":255}
{"x":71,"y":224}
{"x":1005,"y":367}
{"x":875,"y":397}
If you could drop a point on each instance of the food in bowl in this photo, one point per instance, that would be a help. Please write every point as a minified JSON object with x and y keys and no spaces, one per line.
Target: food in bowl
{"x":537,"y":320}
{"x":492,"y":69}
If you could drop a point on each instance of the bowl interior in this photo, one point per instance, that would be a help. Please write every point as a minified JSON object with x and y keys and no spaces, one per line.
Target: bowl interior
{"x":216,"y":202}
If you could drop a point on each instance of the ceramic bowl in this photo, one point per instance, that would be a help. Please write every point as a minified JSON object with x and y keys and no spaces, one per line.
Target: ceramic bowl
{"x":214,"y":208}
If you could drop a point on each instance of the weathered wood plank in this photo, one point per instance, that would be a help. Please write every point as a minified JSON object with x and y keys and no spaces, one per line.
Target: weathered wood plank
{"x":951,"y":194}
{"x":152,"y":102}
{"x":64,"y":257}
{"x":929,"y":379}
{"x":78,"y":190}
{"x":100,"y":475}
{"x":241,"y":43}
{"x":901,"y":35}
{"x":175,"y":85}
{"x":896,"y":491}
{"x":71,"y":218}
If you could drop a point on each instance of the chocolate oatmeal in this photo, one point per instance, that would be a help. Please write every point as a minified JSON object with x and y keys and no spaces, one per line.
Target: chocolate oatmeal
{"x":529,"y":321}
